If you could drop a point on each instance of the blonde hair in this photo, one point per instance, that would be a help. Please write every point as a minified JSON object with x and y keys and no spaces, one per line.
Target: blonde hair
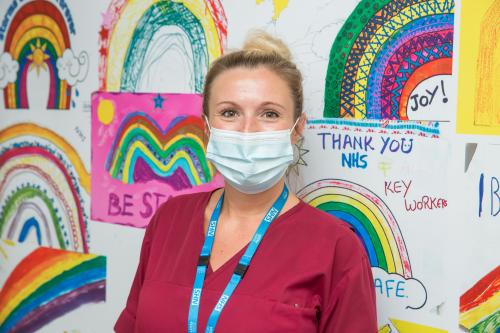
{"x":260,"y":49}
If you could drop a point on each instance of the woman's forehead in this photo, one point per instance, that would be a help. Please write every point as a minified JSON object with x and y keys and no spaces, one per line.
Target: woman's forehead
{"x":250,"y":84}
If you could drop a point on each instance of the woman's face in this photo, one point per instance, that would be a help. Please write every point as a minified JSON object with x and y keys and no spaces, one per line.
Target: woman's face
{"x":251,"y":100}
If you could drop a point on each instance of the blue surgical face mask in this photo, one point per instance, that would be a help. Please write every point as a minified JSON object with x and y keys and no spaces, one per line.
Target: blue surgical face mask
{"x":251,"y":162}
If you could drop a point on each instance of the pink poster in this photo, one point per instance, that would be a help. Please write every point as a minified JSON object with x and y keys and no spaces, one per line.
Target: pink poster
{"x":145,"y":149}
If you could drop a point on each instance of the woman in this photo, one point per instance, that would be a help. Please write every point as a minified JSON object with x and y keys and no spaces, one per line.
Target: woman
{"x":250,"y":257}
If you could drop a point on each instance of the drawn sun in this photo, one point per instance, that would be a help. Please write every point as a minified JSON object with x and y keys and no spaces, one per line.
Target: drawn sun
{"x":4,"y":243}
{"x":38,"y":56}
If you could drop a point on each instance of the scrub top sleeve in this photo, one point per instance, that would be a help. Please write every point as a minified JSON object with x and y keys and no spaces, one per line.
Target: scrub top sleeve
{"x":352,"y":305}
{"x":126,"y":320}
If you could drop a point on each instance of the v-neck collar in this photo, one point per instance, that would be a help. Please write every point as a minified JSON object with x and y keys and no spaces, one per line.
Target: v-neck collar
{"x":210,"y":274}
{"x":231,"y":262}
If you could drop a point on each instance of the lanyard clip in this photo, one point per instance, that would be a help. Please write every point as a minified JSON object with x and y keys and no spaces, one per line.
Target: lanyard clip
{"x":203,"y":260}
{"x":241,"y":269}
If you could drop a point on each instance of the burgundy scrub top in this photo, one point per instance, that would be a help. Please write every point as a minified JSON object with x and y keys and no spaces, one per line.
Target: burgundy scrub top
{"x":309,"y":274}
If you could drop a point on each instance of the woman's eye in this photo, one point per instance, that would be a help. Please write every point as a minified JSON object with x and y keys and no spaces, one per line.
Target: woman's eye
{"x":271,"y":114}
{"x":228,"y":113}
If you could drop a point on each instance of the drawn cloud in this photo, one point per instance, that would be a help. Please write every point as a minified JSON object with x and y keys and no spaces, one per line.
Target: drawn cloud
{"x":395,"y":289}
{"x":73,"y":69}
{"x":8,"y":69}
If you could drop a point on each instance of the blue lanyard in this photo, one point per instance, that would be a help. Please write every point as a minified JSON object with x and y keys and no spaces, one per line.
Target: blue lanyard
{"x":239,"y":271}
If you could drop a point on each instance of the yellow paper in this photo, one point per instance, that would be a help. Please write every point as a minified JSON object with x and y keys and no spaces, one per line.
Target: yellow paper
{"x":407,"y":327}
{"x":479,"y":68}
{"x":385,"y":329}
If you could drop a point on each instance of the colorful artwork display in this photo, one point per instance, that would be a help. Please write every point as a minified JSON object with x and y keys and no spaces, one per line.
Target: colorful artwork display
{"x":382,"y":148}
{"x":47,"y":284}
{"x":145,"y":148}
{"x":160,"y":46}
{"x":38,"y":39}
{"x":479,"y":68}
{"x":383,"y":53}
{"x":44,"y":188}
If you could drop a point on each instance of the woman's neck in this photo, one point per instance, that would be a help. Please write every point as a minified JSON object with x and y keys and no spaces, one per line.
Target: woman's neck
{"x":239,"y":205}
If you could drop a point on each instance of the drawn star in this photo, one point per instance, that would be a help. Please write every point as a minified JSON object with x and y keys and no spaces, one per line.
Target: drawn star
{"x":38,"y":56}
{"x":103,"y":33}
{"x":300,"y":152}
{"x":103,"y":51}
{"x":158,"y":101}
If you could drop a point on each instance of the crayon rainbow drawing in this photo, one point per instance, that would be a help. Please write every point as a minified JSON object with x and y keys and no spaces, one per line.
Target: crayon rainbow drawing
{"x":44,"y":188}
{"x":141,"y":151}
{"x":47,"y":284}
{"x":160,"y":45}
{"x":384,"y":50}
{"x":372,"y":220}
{"x":480,"y":305}
{"x":38,"y":39}
{"x":149,"y":145}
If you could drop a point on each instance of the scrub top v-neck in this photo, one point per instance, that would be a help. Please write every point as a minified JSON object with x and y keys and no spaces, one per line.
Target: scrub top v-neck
{"x":310,"y":274}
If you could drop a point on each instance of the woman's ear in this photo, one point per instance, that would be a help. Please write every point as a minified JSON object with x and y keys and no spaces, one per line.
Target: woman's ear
{"x":298,"y":131}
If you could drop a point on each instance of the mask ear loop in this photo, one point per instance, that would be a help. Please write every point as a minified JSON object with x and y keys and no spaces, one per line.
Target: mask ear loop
{"x":295,"y":124}
{"x":207,"y":123}
{"x":207,"y":136}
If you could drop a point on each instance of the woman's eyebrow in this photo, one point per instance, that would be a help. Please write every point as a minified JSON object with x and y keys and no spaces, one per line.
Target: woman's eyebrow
{"x":273,"y":103}
{"x":227,"y":102}
{"x":265,"y":103}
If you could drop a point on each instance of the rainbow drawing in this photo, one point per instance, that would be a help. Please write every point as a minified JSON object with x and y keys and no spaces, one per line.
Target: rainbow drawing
{"x":145,"y":148}
{"x":141,"y":151}
{"x":372,"y":220}
{"x":47,"y":284}
{"x":36,"y":38}
{"x":480,"y":305}
{"x":384,"y":50}
{"x":136,"y":35}
{"x":43,"y":188}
